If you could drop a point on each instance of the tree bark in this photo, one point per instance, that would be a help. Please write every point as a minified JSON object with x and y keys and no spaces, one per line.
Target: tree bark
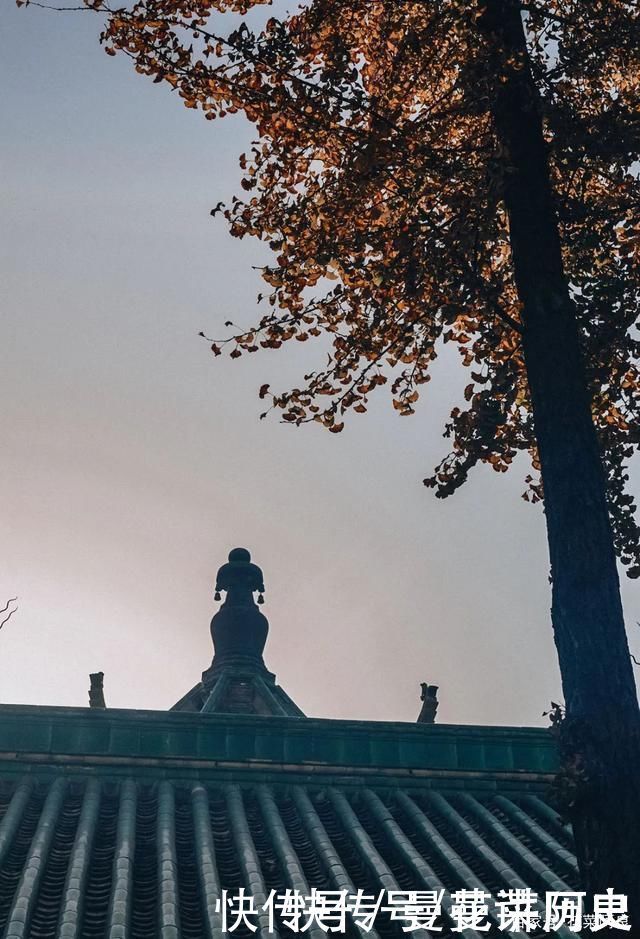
{"x":600,"y":736}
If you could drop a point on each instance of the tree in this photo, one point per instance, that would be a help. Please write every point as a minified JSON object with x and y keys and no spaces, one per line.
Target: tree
{"x":431,"y":171}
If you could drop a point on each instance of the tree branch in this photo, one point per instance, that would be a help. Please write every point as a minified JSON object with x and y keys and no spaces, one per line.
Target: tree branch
{"x":4,"y":610}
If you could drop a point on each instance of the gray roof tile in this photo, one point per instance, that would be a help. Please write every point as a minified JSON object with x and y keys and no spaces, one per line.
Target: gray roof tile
{"x":139,"y":858}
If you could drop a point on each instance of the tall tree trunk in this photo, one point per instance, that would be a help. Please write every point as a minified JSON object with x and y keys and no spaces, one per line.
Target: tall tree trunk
{"x":600,"y":737}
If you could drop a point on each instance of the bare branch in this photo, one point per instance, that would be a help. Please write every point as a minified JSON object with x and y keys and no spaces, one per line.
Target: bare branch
{"x":11,"y":612}
{"x":7,"y":604}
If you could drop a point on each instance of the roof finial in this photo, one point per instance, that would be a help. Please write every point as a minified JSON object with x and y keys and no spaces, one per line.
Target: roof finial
{"x":238,"y":629}
{"x":238,"y":681}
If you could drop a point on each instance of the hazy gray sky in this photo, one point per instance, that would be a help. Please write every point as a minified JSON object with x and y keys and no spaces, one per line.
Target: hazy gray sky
{"x":132,"y":461}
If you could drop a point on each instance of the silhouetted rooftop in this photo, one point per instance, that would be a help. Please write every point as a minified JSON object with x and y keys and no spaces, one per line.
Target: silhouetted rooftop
{"x":128,"y":824}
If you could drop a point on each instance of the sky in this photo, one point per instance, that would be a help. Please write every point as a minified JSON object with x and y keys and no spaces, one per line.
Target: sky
{"x":132,"y":461}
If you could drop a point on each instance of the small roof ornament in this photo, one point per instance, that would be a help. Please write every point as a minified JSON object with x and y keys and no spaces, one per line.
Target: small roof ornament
{"x":96,"y":690}
{"x":240,"y":579}
{"x":429,"y":698}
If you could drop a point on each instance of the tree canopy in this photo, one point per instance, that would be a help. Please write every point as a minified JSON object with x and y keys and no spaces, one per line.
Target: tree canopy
{"x":377,"y":180}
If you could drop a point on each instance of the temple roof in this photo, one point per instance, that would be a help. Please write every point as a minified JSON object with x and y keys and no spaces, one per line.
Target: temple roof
{"x":129,"y":824}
